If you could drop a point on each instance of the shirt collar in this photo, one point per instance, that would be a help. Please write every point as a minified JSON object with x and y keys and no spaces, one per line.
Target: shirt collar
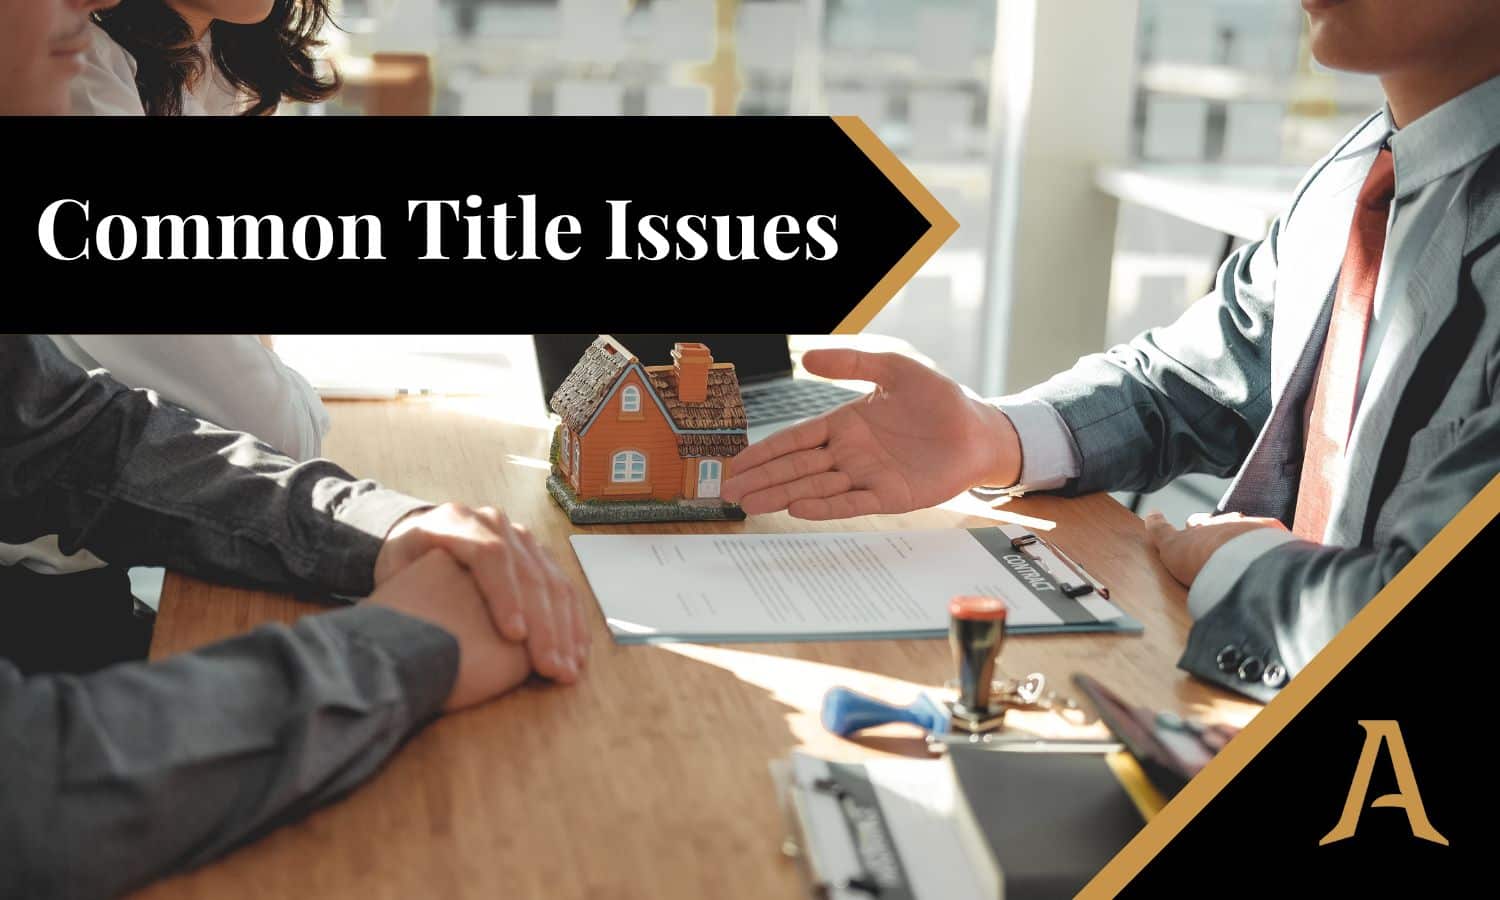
{"x":1439,"y":143}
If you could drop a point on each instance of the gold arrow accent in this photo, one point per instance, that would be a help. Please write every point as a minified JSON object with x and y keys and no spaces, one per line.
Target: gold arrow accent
{"x":942,"y":225}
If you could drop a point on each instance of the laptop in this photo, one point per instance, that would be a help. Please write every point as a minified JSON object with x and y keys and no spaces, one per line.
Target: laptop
{"x":773,"y":398}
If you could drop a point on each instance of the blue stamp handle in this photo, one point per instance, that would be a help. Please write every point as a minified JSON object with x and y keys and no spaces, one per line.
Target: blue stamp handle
{"x":846,"y":711}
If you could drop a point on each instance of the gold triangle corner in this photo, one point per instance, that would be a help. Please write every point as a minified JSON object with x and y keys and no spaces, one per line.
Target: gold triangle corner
{"x":1378,"y":613}
{"x":941,"y":224}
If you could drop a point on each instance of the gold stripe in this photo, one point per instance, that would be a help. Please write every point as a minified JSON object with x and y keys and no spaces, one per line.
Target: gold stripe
{"x":1147,"y":799}
{"x":942,"y":225}
{"x":1298,"y":693}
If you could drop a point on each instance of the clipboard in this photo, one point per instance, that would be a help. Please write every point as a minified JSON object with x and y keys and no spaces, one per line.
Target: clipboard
{"x":821,"y":586}
{"x":1071,"y":578}
{"x":987,"y":841}
{"x":816,"y":869}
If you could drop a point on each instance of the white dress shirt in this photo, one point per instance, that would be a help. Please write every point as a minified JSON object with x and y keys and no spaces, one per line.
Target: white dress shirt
{"x":1425,"y":189}
{"x":106,"y":86}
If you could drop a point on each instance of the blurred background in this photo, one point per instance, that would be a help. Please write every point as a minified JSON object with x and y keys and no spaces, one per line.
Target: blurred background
{"x":1102,"y":157}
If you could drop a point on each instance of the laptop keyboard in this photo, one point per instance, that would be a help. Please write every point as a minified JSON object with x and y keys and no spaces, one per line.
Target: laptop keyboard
{"x":793,"y":399}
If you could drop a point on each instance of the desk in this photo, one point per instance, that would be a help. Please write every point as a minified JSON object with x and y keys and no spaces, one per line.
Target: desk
{"x":648,"y":779}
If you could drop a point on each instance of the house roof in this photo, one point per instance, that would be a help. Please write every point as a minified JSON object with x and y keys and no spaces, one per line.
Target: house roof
{"x":721,"y":410}
{"x":580,"y":394}
{"x":709,"y":443}
{"x":715,"y":427}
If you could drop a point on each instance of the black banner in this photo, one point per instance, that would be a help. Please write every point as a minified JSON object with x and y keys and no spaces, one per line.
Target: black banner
{"x":544,"y":224}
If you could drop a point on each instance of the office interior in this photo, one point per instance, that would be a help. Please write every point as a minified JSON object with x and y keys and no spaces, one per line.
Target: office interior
{"x":1101,"y":157}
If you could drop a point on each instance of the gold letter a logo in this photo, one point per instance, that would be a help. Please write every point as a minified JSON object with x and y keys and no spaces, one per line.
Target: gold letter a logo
{"x":1377,"y":730}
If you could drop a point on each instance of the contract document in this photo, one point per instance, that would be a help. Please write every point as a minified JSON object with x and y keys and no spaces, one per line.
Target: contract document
{"x":727,"y":588}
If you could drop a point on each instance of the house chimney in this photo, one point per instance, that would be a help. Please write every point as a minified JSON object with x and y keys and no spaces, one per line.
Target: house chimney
{"x":690,"y":361}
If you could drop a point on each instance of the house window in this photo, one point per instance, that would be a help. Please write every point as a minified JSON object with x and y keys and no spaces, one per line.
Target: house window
{"x":630,"y":399}
{"x":629,"y":466}
{"x":577,"y":451}
{"x":565,"y":448}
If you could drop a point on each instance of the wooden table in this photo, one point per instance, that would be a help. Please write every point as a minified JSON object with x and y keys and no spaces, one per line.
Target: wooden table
{"x":649,"y":779}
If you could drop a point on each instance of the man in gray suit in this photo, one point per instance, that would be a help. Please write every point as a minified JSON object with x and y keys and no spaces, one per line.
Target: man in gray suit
{"x":1345,"y":367}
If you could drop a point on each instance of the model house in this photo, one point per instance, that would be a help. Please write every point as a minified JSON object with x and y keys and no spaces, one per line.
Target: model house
{"x":657,"y":435}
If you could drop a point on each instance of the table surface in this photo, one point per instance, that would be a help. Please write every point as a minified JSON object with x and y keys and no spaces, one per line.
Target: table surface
{"x":649,"y":778}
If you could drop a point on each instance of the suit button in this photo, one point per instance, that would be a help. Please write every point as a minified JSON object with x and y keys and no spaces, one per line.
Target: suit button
{"x":1228,"y":659}
{"x":1274,"y":676}
{"x":1251,"y":668}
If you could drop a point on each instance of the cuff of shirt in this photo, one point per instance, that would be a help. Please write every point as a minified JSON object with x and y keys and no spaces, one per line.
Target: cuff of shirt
{"x":425,"y":656}
{"x":373,"y":513}
{"x":1048,"y":455}
{"x":1227,"y":564}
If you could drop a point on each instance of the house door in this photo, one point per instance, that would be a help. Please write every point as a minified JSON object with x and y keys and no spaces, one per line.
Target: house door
{"x":709,"y":471}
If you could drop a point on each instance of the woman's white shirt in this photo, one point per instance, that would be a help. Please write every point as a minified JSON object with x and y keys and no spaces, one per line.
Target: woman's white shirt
{"x":231,"y":380}
{"x":106,"y":87}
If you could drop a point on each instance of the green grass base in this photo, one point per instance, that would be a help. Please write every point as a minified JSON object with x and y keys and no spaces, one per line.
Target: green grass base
{"x":623,"y":512}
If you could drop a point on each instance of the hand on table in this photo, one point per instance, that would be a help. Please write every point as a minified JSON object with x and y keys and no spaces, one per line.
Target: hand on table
{"x":1186,"y":551}
{"x":528,"y":597}
{"x":916,"y":441}
{"x":436,"y":589}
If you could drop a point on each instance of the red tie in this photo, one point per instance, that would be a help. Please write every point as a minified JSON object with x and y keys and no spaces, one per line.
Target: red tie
{"x":1333,"y":401}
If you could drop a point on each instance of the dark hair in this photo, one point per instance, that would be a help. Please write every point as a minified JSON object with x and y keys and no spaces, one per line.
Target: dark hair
{"x":270,"y":61}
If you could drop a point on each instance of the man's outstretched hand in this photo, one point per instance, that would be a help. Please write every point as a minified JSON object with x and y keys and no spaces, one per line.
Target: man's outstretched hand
{"x":915,"y":442}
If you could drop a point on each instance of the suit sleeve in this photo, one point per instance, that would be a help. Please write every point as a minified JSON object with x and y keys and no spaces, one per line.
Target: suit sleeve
{"x":1291,"y":600}
{"x":115,"y":778}
{"x":138,"y":481}
{"x":1188,"y":397}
